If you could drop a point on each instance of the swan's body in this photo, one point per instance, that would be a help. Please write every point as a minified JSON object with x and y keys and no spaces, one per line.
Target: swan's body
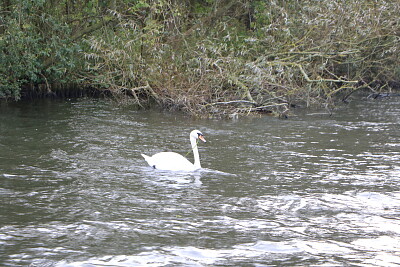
{"x":171,"y":161}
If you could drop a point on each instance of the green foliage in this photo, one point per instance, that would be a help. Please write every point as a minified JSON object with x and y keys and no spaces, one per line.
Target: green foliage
{"x":36,"y":48}
{"x":18,"y":59}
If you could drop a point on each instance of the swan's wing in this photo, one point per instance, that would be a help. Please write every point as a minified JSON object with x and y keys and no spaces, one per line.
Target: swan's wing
{"x":169,"y":161}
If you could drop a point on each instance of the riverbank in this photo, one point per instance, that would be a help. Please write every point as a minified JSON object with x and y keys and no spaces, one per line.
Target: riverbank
{"x":212,"y":58}
{"x":219,"y":110}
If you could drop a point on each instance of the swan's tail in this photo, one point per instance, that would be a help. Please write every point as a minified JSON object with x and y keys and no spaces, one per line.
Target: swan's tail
{"x":147,"y":159}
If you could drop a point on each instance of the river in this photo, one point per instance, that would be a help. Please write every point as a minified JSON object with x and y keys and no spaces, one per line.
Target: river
{"x":311,"y":190}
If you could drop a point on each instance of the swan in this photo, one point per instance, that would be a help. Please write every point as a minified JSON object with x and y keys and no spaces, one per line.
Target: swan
{"x":171,"y":161}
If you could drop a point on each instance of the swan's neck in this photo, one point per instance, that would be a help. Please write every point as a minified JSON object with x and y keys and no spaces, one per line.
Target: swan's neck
{"x":195,"y":153}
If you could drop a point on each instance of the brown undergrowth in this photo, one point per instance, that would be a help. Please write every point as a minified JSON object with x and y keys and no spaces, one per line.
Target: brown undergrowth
{"x":313,"y":53}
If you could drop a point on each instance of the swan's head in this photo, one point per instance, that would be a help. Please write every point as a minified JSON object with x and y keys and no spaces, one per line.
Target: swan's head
{"x":196,"y":134}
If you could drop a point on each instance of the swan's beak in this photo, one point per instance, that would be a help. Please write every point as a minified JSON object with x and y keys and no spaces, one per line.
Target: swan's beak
{"x":201,"y":137}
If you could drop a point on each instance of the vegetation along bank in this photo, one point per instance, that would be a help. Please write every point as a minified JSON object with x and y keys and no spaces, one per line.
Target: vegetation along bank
{"x":200,"y":56}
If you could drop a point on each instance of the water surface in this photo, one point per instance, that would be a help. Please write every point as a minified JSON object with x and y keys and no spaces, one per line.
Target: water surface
{"x":311,"y":190}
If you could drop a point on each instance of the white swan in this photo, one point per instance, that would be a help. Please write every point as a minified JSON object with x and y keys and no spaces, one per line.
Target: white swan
{"x":171,"y":161}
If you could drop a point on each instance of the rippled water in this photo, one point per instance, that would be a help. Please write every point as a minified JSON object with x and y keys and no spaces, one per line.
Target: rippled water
{"x":311,"y":190}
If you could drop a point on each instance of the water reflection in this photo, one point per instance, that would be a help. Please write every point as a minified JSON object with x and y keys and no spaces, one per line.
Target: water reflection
{"x":311,"y":190}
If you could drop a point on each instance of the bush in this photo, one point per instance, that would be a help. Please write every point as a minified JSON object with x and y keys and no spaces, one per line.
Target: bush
{"x":255,"y":54}
{"x":36,"y":49}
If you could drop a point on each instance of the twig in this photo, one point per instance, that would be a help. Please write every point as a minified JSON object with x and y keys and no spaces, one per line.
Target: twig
{"x":232,"y":102}
{"x":47,"y":83}
{"x":320,"y":80}
{"x":263,"y":107}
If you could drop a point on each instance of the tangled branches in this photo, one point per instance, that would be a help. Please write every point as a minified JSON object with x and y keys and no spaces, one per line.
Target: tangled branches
{"x":264,"y":59}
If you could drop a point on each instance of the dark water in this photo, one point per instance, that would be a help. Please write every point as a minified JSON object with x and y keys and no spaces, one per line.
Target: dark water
{"x":311,"y":190}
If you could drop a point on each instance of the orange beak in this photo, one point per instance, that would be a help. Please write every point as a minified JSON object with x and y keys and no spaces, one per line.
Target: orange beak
{"x":201,"y":137}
